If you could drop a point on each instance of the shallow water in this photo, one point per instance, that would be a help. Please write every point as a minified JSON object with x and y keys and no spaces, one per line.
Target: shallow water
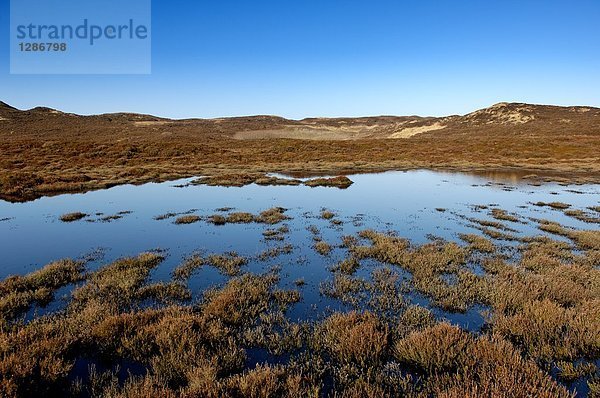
{"x":404,"y":202}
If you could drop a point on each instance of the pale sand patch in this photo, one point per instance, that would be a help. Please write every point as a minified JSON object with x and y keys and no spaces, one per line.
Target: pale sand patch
{"x":303,"y":133}
{"x":1,"y":118}
{"x":500,"y":113}
{"x":410,"y":131}
{"x":147,"y":123}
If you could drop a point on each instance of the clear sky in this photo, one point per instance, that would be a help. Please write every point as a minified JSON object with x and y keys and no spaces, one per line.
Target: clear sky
{"x":339,"y":58}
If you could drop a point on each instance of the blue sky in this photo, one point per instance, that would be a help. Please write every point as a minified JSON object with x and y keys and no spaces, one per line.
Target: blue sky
{"x":339,"y":58}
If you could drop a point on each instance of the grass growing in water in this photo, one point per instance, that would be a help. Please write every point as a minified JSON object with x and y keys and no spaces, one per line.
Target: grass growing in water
{"x":70,"y":217}
{"x":189,"y":219}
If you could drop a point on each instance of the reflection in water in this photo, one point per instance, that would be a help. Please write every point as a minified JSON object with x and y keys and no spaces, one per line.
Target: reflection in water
{"x":414,"y":204}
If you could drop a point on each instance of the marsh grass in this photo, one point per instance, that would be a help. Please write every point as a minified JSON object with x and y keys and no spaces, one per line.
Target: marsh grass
{"x":327,"y":215}
{"x":271,"y":216}
{"x":186,"y":269}
{"x":274,"y":215}
{"x":188,"y":219}
{"x":583,"y":216}
{"x":70,"y":217}
{"x":229,"y":263}
{"x":569,"y":372}
{"x":584,"y":239}
{"x":492,"y":224}
{"x":240,"y":217}
{"x":276,"y":234}
{"x":554,"y":205}
{"x":345,"y":288}
{"x":275,"y":252}
{"x":498,"y":235}
{"x":243,"y":179}
{"x":503,"y":215}
{"x":460,"y":365}
{"x":347,"y":266}
{"x":217,"y":219}
{"x":323,"y":248}
{"x":542,"y":310}
{"x":18,"y":293}
{"x":341,"y":182}
{"x":478,"y":243}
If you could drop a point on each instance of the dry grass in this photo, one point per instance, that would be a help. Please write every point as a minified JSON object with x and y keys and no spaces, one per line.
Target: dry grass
{"x":503,"y":215}
{"x":70,"y":217}
{"x":229,"y":263}
{"x":240,"y":217}
{"x":275,"y":252}
{"x":18,"y":293}
{"x":554,"y":205}
{"x":478,"y":243}
{"x":189,"y":219}
{"x":585,"y":240}
{"x":327,"y":215}
{"x":276,"y":234}
{"x":359,"y":338}
{"x":59,"y":153}
{"x":543,"y":306}
{"x":323,"y":248}
{"x":583,"y":216}
{"x":271,"y":216}
{"x":243,"y":179}
{"x":348,"y":266}
{"x":459,"y":365}
{"x":342,"y":182}
{"x":185,"y":270}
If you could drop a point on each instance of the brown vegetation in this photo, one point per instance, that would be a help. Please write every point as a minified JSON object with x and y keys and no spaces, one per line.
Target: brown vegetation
{"x":70,"y":217}
{"x":45,"y":153}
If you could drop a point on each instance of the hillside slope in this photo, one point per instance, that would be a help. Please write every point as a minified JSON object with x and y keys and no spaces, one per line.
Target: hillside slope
{"x":46,"y":151}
